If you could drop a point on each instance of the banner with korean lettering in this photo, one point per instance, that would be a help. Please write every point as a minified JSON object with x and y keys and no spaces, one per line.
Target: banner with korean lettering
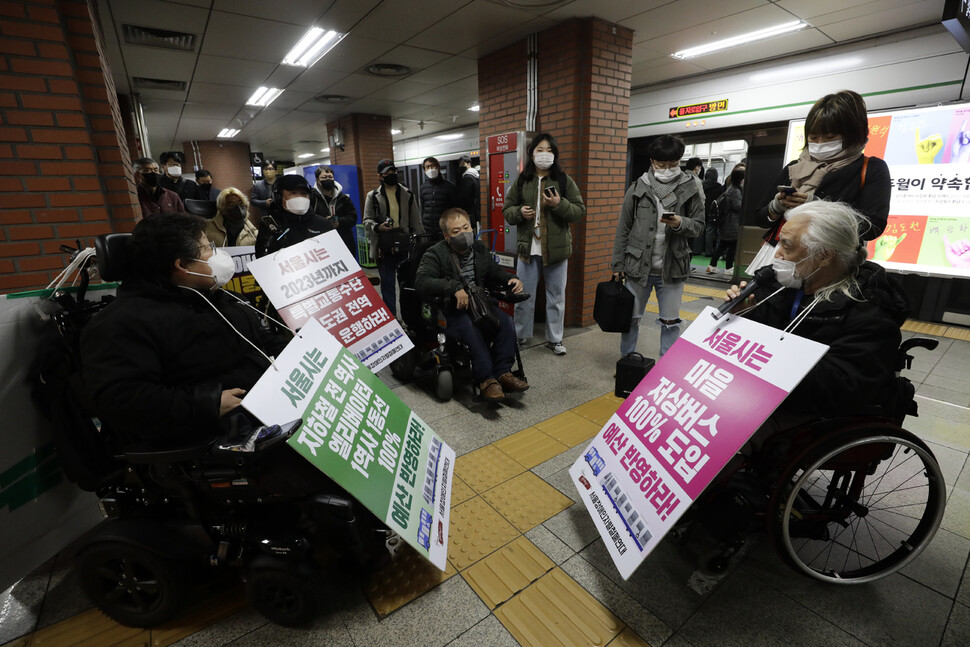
{"x":243,"y":283}
{"x":320,"y":279}
{"x":361,"y":435}
{"x":688,"y":417}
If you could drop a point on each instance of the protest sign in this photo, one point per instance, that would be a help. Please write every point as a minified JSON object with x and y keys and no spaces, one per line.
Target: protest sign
{"x":361,"y":435}
{"x":243,"y":283}
{"x":319,"y":279}
{"x":683,"y":423}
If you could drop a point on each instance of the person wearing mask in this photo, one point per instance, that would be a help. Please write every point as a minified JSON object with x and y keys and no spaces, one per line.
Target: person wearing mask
{"x":172,"y":178}
{"x":831,"y":167}
{"x":712,"y":191}
{"x":389,"y":210}
{"x":542,"y":203}
{"x":230,"y":227}
{"x":470,"y":191}
{"x":437,"y":195}
{"x":151,"y":196}
{"x":292,"y":217}
{"x":696,"y":166}
{"x":336,"y":206}
{"x":261,"y":196}
{"x":205,"y":190}
{"x":661,"y":211}
{"x":728,"y":223}
{"x":445,"y":270}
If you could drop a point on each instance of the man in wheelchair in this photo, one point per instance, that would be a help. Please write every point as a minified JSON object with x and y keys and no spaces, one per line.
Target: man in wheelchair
{"x":448,"y":271}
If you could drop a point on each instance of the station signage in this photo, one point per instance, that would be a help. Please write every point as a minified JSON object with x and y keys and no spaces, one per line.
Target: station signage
{"x":502,"y":143}
{"x":695,"y":109}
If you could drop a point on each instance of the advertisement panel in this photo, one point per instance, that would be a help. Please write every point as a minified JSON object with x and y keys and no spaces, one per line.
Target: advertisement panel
{"x":928,"y":153}
{"x":682,"y":424}
{"x":361,"y":435}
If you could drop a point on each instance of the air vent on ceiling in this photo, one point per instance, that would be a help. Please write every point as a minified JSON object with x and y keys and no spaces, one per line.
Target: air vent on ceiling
{"x":151,"y":37}
{"x":333,"y":98}
{"x":143,"y":83}
{"x":388,"y":69}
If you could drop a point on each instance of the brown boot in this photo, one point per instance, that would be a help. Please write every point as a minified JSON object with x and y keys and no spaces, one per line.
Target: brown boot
{"x":512,"y":384}
{"x":491,"y":390}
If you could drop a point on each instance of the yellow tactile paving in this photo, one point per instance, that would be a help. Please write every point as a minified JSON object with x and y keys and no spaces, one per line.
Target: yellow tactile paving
{"x":526,"y":501}
{"x":569,"y":428}
{"x":530,"y":447}
{"x":507,"y":571}
{"x":407,"y":577}
{"x":953,"y":332}
{"x":476,"y":530}
{"x":925,"y":328}
{"x":204,"y":614}
{"x":600,"y":409}
{"x":629,"y":638}
{"x":485,"y":468}
{"x":460,"y":492}
{"x":703,"y":291}
{"x":556,"y":610}
{"x":91,"y":628}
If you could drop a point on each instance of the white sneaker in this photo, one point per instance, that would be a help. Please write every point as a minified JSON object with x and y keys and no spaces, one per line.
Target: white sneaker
{"x":557,"y":348}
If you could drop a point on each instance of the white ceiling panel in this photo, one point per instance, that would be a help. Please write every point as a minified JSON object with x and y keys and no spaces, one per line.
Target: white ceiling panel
{"x":443,"y":95}
{"x":207,"y":110}
{"x":232,"y":71}
{"x":353,"y":53}
{"x":733,"y":25}
{"x":396,"y":21}
{"x":652,"y":72}
{"x":612,"y":11}
{"x":219,"y":94}
{"x":294,"y":12}
{"x":447,"y":71}
{"x":473,"y":23}
{"x":158,"y":64}
{"x":773,"y":47}
{"x":160,"y":15}
{"x":316,"y":80}
{"x":346,"y":16}
{"x":908,"y":15}
{"x":202,"y":129}
{"x":359,"y":85}
{"x":255,"y":39}
{"x":415,"y":58}
{"x":808,"y":9}
{"x":402,"y":90}
{"x":394,"y":109}
{"x":685,"y":14}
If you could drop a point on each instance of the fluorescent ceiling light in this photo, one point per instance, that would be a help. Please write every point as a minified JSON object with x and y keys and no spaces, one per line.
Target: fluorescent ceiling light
{"x":228,"y":132}
{"x":263,"y":97}
{"x":788,"y":72}
{"x":305,"y":155}
{"x":475,"y":108}
{"x":743,"y":39}
{"x":450,"y":136}
{"x":312,"y":47}
{"x":395,"y":131}
{"x":324,"y":150}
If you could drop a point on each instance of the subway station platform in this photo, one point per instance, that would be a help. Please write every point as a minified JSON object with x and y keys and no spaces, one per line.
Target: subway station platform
{"x":527,"y":567}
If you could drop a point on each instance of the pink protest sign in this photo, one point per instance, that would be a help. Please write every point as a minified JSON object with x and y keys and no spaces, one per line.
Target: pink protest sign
{"x":681,"y":425}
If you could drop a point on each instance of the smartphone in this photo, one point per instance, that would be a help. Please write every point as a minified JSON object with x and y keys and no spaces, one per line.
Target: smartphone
{"x":667,"y":215}
{"x":787,"y":190}
{"x":270,"y":223}
{"x":550,"y":192}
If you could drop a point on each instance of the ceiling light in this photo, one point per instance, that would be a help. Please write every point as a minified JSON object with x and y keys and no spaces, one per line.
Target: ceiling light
{"x":305,"y":155}
{"x":324,"y":150}
{"x":395,"y":131}
{"x":312,"y":47}
{"x":228,"y":132}
{"x":743,"y":39}
{"x":475,"y":108}
{"x":450,"y":136}
{"x":263,"y":97}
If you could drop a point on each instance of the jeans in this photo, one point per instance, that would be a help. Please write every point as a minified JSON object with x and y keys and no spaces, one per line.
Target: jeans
{"x":669,"y":299}
{"x":725,"y":247}
{"x":492,"y":355}
{"x":555,"y":276}
{"x":387,"y":269}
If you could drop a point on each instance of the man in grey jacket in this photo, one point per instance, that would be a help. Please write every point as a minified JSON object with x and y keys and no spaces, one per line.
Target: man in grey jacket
{"x":661,"y":212}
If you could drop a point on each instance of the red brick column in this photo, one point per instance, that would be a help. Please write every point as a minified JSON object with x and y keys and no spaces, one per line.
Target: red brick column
{"x":64,"y":166}
{"x":367,"y":140}
{"x":228,"y":162}
{"x":584,"y":69}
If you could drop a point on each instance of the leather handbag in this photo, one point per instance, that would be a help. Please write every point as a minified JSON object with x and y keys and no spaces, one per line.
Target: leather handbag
{"x":613,"y":307}
{"x":482,"y":309}
{"x":393,"y":243}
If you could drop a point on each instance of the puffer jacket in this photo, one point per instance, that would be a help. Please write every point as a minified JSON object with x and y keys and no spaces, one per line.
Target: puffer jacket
{"x":554,"y":234}
{"x":438,"y":276}
{"x":437,"y":196}
{"x":858,"y":370}
{"x":637,"y":230}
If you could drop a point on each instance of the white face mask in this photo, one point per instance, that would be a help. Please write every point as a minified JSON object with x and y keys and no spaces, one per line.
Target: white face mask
{"x":432,"y":173}
{"x":222,"y":265}
{"x":667,"y":175}
{"x":297,"y":206}
{"x":825,"y":150}
{"x":785,"y":272}
{"x":175,"y":171}
{"x":543,"y":160}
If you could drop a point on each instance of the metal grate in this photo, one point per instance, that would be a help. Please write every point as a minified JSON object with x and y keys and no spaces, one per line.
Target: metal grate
{"x":143,"y":83}
{"x":151,"y":37}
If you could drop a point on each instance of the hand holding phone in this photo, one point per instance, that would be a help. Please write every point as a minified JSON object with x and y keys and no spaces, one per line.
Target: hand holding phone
{"x":550,"y":191}
{"x":787,"y":190}
{"x":667,"y":215}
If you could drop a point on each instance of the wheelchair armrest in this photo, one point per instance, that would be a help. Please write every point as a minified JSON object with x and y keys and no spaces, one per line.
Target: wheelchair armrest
{"x":904,"y":359}
{"x":510,"y":297}
{"x":139,"y":455}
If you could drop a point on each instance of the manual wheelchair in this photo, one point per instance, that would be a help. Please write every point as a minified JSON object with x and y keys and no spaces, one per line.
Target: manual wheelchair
{"x":436,"y":354}
{"x":171,"y":514}
{"x":847,"y":500}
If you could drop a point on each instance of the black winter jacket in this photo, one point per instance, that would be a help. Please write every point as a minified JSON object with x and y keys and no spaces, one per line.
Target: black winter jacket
{"x":340,"y":211}
{"x":858,"y":371}
{"x":438,"y":276}
{"x":185,"y":189}
{"x":291,"y":229}
{"x":437,"y":196}
{"x":470,"y":195}
{"x":156,"y":360}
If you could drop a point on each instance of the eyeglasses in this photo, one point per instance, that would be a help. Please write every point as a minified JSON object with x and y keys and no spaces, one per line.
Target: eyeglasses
{"x":211,"y":246}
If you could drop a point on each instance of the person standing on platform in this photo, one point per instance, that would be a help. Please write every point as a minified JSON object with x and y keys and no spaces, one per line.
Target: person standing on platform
{"x":261,"y":196}
{"x":151,"y":196}
{"x":336,"y":206}
{"x":206,"y":191}
{"x":437,"y":196}
{"x":728,"y":223}
{"x":470,"y":191}
{"x":172,"y":178}
{"x":230,"y":227}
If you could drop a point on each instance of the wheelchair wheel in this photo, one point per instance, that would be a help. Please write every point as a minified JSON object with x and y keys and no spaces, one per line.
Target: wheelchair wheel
{"x":403,"y":367}
{"x":445,"y":386}
{"x":131,"y":584}
{"x":859,"y":507}
{"x":283,"y":595}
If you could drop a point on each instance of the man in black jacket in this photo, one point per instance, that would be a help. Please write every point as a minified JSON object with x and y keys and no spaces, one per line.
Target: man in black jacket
{"x":469,"y":191}
{"x":172,"y":177}
{"x":446,"y":270}
{"x":437,"y":195}
{"x":291,"y":216}
{"x":336,"y":206}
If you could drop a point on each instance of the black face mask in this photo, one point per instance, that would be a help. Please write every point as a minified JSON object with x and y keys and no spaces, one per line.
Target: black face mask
{"x":390,"y":179}
{"x":238,"y":212}
{"x":151,"y":179}
{"x":328,"y":185}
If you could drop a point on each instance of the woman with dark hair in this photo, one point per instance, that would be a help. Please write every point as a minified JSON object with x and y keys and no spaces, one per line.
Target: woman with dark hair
{"x":728,"y":223}
{"x":542,"y":202}
{"x":831,"y":167}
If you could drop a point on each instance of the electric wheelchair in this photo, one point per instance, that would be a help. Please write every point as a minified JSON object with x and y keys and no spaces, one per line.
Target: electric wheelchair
{"x":436,"y":354}
{"x":171,"y":514}
{"x":846,"y":500}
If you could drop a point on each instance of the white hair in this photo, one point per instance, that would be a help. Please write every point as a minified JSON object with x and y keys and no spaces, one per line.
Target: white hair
{"x":834,"y":227}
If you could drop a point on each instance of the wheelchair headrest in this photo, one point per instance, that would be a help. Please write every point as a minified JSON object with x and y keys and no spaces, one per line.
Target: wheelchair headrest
{"x":112,"y":256}
{"x":204,"y":208}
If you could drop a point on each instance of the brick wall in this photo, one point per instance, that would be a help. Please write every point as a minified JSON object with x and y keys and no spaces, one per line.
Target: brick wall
{"x":64,"y":165}
{"x":367,"y":140}
{"x":584,"y":102}
{"x":227,"y":161}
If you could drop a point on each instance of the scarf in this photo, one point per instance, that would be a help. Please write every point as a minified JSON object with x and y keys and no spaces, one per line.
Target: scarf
{"x":807,"y":174}
{"x":665,"y":190}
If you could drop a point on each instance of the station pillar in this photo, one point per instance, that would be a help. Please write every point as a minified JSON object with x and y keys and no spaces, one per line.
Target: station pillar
{"x":583,"y":99}
{"x":366,"y":141}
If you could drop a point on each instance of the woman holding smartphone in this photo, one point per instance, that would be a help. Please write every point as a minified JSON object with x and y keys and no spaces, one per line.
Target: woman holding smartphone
{"x":831,"y":167}
{"x":541,"y":203}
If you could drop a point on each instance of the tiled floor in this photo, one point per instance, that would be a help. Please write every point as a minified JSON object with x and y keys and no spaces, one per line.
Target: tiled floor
{"x":533,"y":571}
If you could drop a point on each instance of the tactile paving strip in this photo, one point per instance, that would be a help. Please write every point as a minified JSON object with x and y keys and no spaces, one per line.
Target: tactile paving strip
{"x":407,"y":577}
{"x":556,"y":610}
{"x":599,"y":410}
{"x":530,"y":447}
{"x":460,"y":492}
{"x":91,"y":628}
{"x":953,"y":332}
{"x":507,"y":571}
{"x":526,"y":501}
{"x":476,"y":530}
{"x":485,"y":468}
{"x":207,"y":613}
{"x":926,"y":328}
{"x":569,"y":428}
{"x":703,"y":291}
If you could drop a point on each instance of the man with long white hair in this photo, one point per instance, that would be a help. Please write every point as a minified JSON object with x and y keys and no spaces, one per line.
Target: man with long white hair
{"x":827,"y":291}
